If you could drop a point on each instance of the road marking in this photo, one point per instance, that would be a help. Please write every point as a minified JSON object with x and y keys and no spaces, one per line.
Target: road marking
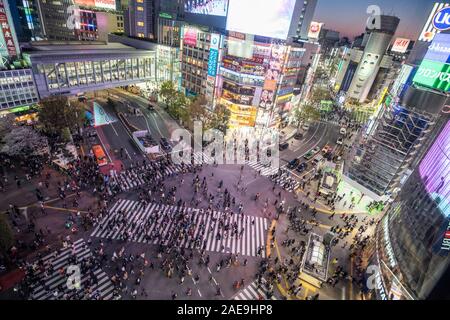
{"x":106,"y":150}
{"x":126,"y":151}
{"x":199,"y":293}
{"x":112,"y":126}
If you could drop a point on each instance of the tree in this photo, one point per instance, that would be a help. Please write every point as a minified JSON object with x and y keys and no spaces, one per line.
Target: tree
{"x":168,"y":93}
{"x":24,"y":141}
{"x":6,"y":235}
{"x":306,"y":113}
{"x":6,"y":125}
{"x":320,"y":94}
{"x":220,"y":118}
{"x":55,"y":114}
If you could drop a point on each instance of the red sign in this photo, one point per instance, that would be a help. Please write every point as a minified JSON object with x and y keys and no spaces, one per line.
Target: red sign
{"x":190,"y":37}
{"x":400,"y":45}
{"x":9,"y":40}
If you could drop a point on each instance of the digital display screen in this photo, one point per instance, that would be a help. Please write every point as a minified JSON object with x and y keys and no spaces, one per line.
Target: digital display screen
{"x":267,"y":18}
{"x":207,"y":7}
{"x":435,"y":170}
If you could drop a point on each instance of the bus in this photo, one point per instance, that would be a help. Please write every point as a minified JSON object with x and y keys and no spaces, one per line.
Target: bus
{"x":99,"y":155}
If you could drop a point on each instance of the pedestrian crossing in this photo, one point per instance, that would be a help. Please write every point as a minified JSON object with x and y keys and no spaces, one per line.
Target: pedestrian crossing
{"x":261,"y":168}
{"x":51,"y":282}
{"x":135,"y":177}
{"x":284,"y":179}
{"x":255,"y":291}
{"x":161,"y":224}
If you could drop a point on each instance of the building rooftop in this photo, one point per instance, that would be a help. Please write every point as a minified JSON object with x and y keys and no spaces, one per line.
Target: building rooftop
{"x":49,"y":48}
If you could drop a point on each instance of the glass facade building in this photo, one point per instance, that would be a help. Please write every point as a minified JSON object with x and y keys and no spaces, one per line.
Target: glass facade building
{"x":413,"y":239}
{"x":76,"y":69}
{"x":17,"y":88}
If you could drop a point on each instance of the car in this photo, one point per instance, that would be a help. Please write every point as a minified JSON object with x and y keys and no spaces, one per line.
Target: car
{"x":99,"y":155}
{"x":315,"y":150}
{"x":317,"y":160}
{"x":306,"y":127}
{"x":326,"y":149}
{"x":298,"y":136}
{"x":339,"y":141}
{"x":165,"y":144}
{"x":283,"y":146}
{"x":309,"y":155}
{"x":293,"y":163}
{"x":343,"y":131}
{"x":150,"y":107}
{"x":302,"y":167}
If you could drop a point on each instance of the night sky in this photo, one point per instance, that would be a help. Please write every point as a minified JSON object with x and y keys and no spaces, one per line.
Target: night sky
{"x":349,"y":16}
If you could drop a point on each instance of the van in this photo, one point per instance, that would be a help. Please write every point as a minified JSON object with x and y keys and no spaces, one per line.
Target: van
{"x":99,"y":155}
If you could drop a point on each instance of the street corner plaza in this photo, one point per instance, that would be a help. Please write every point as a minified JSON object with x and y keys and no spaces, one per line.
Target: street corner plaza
{"x":224,"y":152}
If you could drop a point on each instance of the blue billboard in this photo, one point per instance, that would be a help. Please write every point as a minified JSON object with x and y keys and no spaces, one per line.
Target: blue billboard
{"x":439,"y":50}
{"x":212,"y":62}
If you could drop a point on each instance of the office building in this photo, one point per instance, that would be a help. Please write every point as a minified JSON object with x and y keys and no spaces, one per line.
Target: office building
{"x":27,"y":20}
{"x":17,"y":88}
{"x":365,"y":60}
{"x":139,"y":19}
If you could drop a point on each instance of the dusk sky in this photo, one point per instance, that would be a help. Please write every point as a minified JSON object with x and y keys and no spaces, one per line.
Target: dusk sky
{"x":349,"y":16}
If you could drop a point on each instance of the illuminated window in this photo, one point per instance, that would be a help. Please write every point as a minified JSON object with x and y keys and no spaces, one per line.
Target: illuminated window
{"x":140,"y":35}
{"x":140,"y":23}
{"x":140,"y":8}
{"x":140,"y":1}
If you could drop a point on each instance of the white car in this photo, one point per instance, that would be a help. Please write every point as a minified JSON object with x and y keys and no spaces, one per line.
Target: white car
{"x":306,"y":127}
{"x":343,"y":131}
{"x":339,"y":141}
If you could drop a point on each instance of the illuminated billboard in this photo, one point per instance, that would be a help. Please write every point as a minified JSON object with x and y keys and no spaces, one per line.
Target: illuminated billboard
{"x":207,"y":7}
{"x":190,"y":36}
{"x":439,"y":50}
{"x":106,"y":4}
{"x":211,"y":13}
{"x":268,"y":18}
{"x":434,"y":170}
{"x":429,"y":30}
{"x":314,"y":30}
{"x":400,"y":45}
{"x":432,"y":74}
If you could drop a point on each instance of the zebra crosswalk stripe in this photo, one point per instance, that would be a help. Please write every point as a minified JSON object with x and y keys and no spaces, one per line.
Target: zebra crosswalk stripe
{"x":161,"y":221}
{"x":54,"y":280}
{"x":253,"y":292}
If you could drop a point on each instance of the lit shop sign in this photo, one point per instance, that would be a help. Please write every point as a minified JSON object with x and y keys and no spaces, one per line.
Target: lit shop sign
{"x":314,"y":30}
{"x":429,"y":30}
{"x":445,"y":245}
{"x":213,"y":55}
{"x":7,"y":33}
{"x":388,"y":245}
{"x":439,"y":50}
{"x":441,"y":19}
{"x":434,"y":75}
{"x":400,"y":45}
{"x":379,"y":286}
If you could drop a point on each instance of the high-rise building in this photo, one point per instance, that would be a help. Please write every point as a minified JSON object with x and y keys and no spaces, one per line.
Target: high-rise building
{"x":139,"y":19}
{"x":304,"y":13}
{"x":413,"y":239}
{"x":169,"y":22}
{"x":368,"y":60}
{"x":408,"y":116}
{"x":58,"y":19}
{"x":27,"y":20}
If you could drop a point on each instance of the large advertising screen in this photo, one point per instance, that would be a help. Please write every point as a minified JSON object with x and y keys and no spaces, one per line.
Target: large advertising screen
{"x":435,"y":173}
{"x":106,"y":4}
{"x":439,"y":50}
{"x":207,"y":7}
{"x":211,"y":13}
{"x":435,"y":75}
{"x":429,"y":30}
{"x":268,"y":18}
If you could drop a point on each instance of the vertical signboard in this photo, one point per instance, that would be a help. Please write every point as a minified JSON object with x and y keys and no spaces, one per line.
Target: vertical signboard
{"x":429,"y":29}
{"x":7,"y":32}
